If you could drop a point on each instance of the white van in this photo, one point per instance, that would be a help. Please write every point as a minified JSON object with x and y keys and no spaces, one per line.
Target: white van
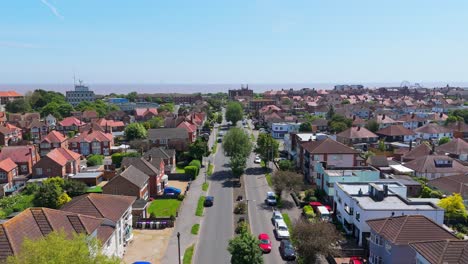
{"x":323,"y":213}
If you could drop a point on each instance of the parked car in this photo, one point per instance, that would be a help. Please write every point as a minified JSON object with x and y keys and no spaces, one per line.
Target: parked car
{"x":270,"y":199}
{"x":281,"y":230}
{"x":257,"y":160}
{"x":265,"y":243}
{"x":356,"y":260}
{"x":209,"y":200}
{"x":172,"y":191}
{"x":220,"y":140}
{"x":287,"y":250}
{"x":277,"y":216}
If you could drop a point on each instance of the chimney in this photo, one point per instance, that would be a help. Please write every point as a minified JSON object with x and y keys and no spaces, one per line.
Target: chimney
{"x":412,"y":115}
{"x":150,"y":157}
{"x":354,"y":117}
{"x":383,"y":116}
{"x":441,"y":114}
{"x":124,"y":168}
{"x":410,"y":145}
{"x":432,"y":149}
{"x":358,"y":128}
{"x":385,"y":190}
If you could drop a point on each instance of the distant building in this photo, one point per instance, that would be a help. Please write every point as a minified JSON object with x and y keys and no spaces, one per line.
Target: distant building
{"x":257,"y":104}
{"x":80,"y":94}
{"x":8,"y":96}
{"x":347,"y":87}
{"x":242,"y":92}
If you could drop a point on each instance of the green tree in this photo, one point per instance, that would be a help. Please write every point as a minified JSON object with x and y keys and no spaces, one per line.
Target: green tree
{"x":135,"y":131}
{"x":237,"y":142}
{"x":132,"y":96}
{"x":64,"y":109}
{"x":51,"y":108}
{"x":48,"y":196}
{"x":234,"y":112}
{"x":267,"y":147}
{"x":305,"y":127}
{"x":286,"y":165}
{"x":451,"y":119}
{"x":444,"y":140}
{"x":18,"y":106}
{"x":198,"y":149}
{"x":59,"y":247}
{"x":238,"y":165}
{"x":219,"y":119}
{"x":338,"y":127}
{"x":381,"y":145}
{"x":345,"y":101}
{"x":167,"y":107}
{"x":372,"y":126}
{"x":461,"y":113}
{"x":453,"y":206}
{"x":244,"y":250}
{"x":286,"y":180}
{"x":155,"y":122}
{"x":331,"y":112}
{"x":74,"y":188}
{"x":94,"y":160}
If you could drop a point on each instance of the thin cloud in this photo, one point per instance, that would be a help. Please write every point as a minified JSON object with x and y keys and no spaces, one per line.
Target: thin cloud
{"x":11,"y":44}
{"x":53,"y":9}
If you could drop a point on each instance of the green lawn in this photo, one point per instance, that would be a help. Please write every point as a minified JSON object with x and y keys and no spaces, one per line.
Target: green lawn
{"x":268,"y":178}
{"x":205,"y":186}
{"x":199,"y":211}
{"x":95,"y":189}
{"x":180,"y":169}
{"x":188,"y":254}
{"x":195,"y":229}
{"x":287,"y":220}
{"x":164,"y":207}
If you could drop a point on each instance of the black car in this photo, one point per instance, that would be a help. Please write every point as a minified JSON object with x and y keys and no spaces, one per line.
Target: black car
{"x":209,"y":200}
{"x":287,"y":251}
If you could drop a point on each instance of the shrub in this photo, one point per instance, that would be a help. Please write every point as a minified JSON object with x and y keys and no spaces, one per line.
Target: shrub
{"x":181,"y":197}
{"x":308,"y":211}
{"x":240,"y":208}
{"x":191,"y":171}
{"x":195,"y":163}
{"x":242,"y":227}
{"x":94,"y":160}
{"x":309,"y":195}
{"x":118,"y":157}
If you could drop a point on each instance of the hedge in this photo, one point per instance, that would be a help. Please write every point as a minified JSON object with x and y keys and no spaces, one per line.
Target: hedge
{"x":195,"y":163}
{"x":94,"y":160}
{"x":192,"y":171}
{"x":118,"y":157}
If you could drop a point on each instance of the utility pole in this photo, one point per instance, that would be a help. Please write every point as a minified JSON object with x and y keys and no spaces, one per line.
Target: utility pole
{"x":178,"y":243}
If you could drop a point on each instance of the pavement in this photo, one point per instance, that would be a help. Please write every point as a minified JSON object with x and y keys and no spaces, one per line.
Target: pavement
{"x":147,"y":245}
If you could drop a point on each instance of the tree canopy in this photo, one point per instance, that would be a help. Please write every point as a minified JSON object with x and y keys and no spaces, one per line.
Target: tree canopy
{"x":444,"y":140}
{"x":99,"y":106}
{"x":198,"y":149}
{"x":372,"y":126}
{"x":339,"y":123}
{"x":244,"y":249}
{"x":286,"y":180}
{"x":237,"y":142}
{"x":19,"y":105}
{"x":234,"y":112}
{"x":267,"y":147}
{"x":167,"y":107}
{"x":238,"y":165}
{"x":453,"y":206}
{"x":305,"y":127}
{"x":135,"y":131}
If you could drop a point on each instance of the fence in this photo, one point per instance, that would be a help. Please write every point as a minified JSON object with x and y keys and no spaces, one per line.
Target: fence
{"x":153,"y":223}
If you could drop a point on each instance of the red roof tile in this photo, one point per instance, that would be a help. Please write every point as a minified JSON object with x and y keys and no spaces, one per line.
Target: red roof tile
{"x":395,"y":130}
{"x":9,"y":94}
{"x":62,"y":156}
{"x":443,"y":251}
{"x":19,"y":154}
{"x":7,"y":165}
{"x":357,"y":132}
{"x":91,"y":136}
{"x":70,"y":121}
{"x":55,"y":137}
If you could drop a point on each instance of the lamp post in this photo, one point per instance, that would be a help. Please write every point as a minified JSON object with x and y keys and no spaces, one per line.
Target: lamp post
{"x":178,"y":243}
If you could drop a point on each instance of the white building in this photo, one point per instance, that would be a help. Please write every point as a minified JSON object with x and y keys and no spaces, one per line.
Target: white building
{"x":80,"y":94}
{"x":433,"y":131}
{"x":279,"y":130}
{"x":355,"y":203}
{"x":50,"y":120}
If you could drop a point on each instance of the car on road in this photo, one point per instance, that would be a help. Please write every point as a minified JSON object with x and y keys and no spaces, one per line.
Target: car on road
{"x":281,"y":229}
{"x":257,"y":160}
{"x":220,"y":140}
{"x":270,"y":199}
{"x":277,"y":216}
{"x":265,"y":243}
{"x":209,"y":200}
{"x":287,"y":250}
{"x":173,"y":191}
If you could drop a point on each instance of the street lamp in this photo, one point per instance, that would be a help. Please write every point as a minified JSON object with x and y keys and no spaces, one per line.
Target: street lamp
{"x":178,"y":243}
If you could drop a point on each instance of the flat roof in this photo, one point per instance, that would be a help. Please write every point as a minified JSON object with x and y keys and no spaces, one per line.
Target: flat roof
{"x":353,"y":188}
{"x":401,"y":168}
{"x":391,"y":202}
{"x":344,"y":173}
{"x":86,"y":175}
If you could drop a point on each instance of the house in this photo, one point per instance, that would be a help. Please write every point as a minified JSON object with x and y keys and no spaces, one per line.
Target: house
{"x":390,"y":237}
{"x":358,"y":122}
{"x":153,"y":167}
{"x":69,"y":124}
{"x":396,"y":133}
{"x":89,"y":115}
{"x":176,"y":138}
{"x":419,"y":151}
{"x":59,"y":162}
{"x":23,"y":120}
{"x":3,"y":118}
{"x":92,"y":142}
{"x":256,"y":104}
{"x":119,"y":116}
{"x":356,"y":135}
{"x":10,"y":135}
{"x":24,"y":156}
{"x":35,"y":223}
{"x":433,"y":131}
{"x":357,"y":202}
{"x":460,"y":129}
{"x":412,"y":121}
{"x":52,"y":141}
{"x":278,"y":130}
{"x":9,"y":96}
{"x":111,"y":124}
{"x":457,"y":149}
{"x":145,"y":114}
{"x":319,"y":125}
{"x":379,"y":162}
{"x":191,"y":130}
{"x":452,"y":184}
{"x":167,"y":155}
{"x":8,"y":171}
{"x":116,"y":208}
{"x":435,"y":166}
{"x":51,"y":121}
{"x":37,"y":130}
{"x":328,"y":152}
{"x":384,"y":121}
{"x":447,"y":251}
{"x":131,"y":181}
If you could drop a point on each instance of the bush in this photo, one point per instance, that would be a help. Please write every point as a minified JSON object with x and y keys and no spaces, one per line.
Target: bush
{"x":242,"y":227}
{"x":310,"y":196}
{"x":180,"y":197}
{"x":118,"y":157}
{"x":192,"y":171}
{"x":94,"y":160}
{"x":240,"y":208}
{"x":195,"y":163}
{"x":308,"y":212}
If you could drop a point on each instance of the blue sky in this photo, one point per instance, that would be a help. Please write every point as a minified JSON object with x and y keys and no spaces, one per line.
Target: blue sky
{"x":238,"y":41}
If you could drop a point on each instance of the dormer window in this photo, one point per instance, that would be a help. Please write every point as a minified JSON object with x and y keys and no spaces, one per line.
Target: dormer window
{"x":443,"y":163}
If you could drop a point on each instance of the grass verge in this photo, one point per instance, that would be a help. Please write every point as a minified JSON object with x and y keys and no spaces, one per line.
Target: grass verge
{"x":205,"y":186}
{"x":195,"y":229}
{"x":287,"y":220}
{"x":215,"y":147}
{"x":95,"y":189}
{"x":268,"y":178}
{"x":189,"y":254}
{"x":199,"y":211}
{"x":210,"y":170}
{"x":164,"y":207}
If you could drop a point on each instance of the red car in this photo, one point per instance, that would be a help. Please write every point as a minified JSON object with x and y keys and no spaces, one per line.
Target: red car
{"x":355,"y":260}
{"x":265,"y":243}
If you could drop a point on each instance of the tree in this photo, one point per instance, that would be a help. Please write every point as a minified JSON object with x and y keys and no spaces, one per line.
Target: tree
{"x":338,"y":126}
{"x":132,"y":96}
{"x":219,"y":119}
{"x":18,"y":106}
{"x":286,"y":165}
{"x":314,"y":238}
{"x":155,"y":122}
{"x":244,"y":249}
{"x":453,"y":206}
{"x":305,"y":127}
{"x":234,"y":112}
{"x":461,"y":113}
{"x":198,"y":149}
{"x":48,"y":196}
{"x":94,"y":160}
{"x":169,"y":107}
{"x":444,"y":140}
{"x":345,"y":101}
{"x":238,"y":164}
{"x":339,"y":123}
{"x":135,"y":131}
{"x":59,"y":247}
{"x":286,"y":180}
{"x":331,"y":112}
{"x":381,"y":145}
{"x":74,"y":188}
{"x":451,"y":119}
{"x":267,"y":147}
{"x":372,"y":126}
{"x":237,"y":142}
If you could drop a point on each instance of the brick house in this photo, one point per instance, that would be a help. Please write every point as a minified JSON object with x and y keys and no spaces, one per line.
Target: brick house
{"x":167,"y":155}
{"x":3,"y":118}
{"x":356,"y":135}
{"x":8,"y":170}
{"x":24,"y":156}
{"x":176,"y":138}
{"x":69,"y":124}
{"x":118,"y":116}
{"x":131,"y":182}
{"x":9,"y":96}
{"x":10,"y":134}
{"x":37,"y":130}
{"x":52,"y":141}
{"x":59,"y":162}
{"x":154,"y":168}
{"x":92,"y":142}
{"x":145,"y":114}
{"x":111,"y":125}
{"x":191,"y":130}
{"x":89,"y":115}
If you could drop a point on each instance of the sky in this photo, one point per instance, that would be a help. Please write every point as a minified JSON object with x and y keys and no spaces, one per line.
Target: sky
{"x":233,"y":41}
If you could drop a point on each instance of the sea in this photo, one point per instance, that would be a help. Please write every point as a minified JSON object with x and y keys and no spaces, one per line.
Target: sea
{"x":119,"y":88}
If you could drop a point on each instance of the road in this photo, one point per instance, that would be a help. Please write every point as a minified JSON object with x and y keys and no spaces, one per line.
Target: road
{"x":218,"y":223}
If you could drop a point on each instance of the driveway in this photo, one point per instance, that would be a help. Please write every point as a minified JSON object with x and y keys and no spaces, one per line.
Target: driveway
{"x":147,"y":245}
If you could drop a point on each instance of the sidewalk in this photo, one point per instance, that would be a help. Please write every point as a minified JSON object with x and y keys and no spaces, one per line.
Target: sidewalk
{"x":187,"y":217}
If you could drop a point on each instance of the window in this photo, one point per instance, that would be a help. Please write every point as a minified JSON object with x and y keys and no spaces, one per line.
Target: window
{"x":39,"y":171}
{"x":24,"y":168}
{"x":163,"y":141}
{"x":3,"y":175}
{"x":358,"y":216}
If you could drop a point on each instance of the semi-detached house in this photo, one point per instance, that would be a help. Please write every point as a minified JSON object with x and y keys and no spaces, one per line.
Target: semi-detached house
{"x":92,"y":142}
